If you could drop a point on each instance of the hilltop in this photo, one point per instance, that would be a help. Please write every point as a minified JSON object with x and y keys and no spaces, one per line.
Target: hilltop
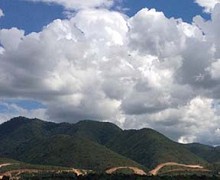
{"x":96,"y":146}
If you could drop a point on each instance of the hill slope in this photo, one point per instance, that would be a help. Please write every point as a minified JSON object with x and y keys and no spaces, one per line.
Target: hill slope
{"x":70,"y":151}
{"x":93,"y":145}
{"x":151,"y":148}
{"x":209,"y":153}
{"x":39,"y":142}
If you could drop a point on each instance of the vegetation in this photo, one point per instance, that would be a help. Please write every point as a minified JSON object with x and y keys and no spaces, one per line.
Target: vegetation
{"x":72,"y":151}
{"x":20,"y":166}
{"x":48,"y":176}
{"x":209,"y":153}
{"x":151,"y":148}
{"x":95,"y":145}
{"x":39,"y":142}
{"x":68,"y":176}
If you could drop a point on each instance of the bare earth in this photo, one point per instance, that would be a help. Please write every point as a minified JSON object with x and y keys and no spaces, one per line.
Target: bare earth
{"x":157,"y":169}
{"x":18,"y":172}
{"x":134,"y":169}
{"x":79,"y":172}
{"x":193,"y":170}
{"x":5,"y":164}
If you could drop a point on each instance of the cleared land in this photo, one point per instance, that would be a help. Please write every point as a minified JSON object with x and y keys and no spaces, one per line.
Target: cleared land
{"x":196,"y":167}
{"x":134,"y":169}
{"x":5,"y":164}
{"x":16,"y":169}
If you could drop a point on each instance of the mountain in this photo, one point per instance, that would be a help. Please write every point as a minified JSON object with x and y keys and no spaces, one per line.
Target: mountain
{"x":39,"y":142}
{"x":94,"y":145}
{"x":99,"y":132}
{"x":209,"y":153}
{"x":151,"y":148}
{"x":70,"y":151}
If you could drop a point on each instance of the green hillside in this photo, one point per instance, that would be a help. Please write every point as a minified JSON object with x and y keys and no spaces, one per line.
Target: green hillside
{"x":209,"y":153}
{"x":95,"y":145}
{"x":100,"y":132}
{"x":70,"y":151}
{"x":151,"y":148}
{"x":18,"y":165}
{"x":39,"y":142}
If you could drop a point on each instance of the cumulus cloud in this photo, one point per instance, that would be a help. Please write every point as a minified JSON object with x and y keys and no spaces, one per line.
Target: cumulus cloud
{"x":145,"y":70}
{"x":215,"y":69}
{"x":196,"y":121}
{"x":11,"y":110}
{"x":207,"y":4}
{"x":1,"y":13}
{"x":76,"y":4}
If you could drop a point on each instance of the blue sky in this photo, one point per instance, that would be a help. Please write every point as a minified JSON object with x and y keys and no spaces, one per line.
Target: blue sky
{"x":33,"y":16}
{"x":184,"y":9}
{"x":118,"y":61}
{"x":28,"y":15}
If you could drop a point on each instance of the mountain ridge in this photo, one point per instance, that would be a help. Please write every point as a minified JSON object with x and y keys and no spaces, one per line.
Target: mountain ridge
{"x":37,"y":141}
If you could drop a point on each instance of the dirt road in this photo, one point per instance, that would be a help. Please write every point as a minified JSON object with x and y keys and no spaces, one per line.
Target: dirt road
{"x":134,"y":169}
{"x":188,"y":170}
{"x":79,"y":172}
{"x":18,"y":172}
{"x":5,"y":164}
{"x":157,"y":169}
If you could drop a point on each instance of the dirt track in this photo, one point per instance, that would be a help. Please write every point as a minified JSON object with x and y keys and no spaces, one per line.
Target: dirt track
{"x":134,"y":169}
{"x":5,"y":164}
{"x":181,"y":170}
{"x":157,"y":169}
{"x":18,"y":172}
{"x":79,"y":172}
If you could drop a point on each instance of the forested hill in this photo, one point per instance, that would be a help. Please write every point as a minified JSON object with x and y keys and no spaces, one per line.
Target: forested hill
{"x":95,"y":145}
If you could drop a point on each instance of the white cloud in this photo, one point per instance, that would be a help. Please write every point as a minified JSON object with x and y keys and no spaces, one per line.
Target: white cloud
{"x":207,"y":4}
{"x":10,"y":110}
{"x":215,"y":70}
{"x":79,"y":4}
{"x":98,"y":25}
{"x":196,"y":121}
{"x":200,"y":120}
{"x":152,"y":33}
{"x":10,"y":39}
{"x":146,"y":70}
{"x":1,"y":13}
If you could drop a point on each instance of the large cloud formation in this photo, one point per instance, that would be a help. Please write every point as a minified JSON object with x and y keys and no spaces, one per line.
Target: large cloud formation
{"x":207,"y":4}
{"x":142,"y":71}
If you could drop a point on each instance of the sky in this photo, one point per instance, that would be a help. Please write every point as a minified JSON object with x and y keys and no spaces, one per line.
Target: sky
{"x":136,"y":63}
